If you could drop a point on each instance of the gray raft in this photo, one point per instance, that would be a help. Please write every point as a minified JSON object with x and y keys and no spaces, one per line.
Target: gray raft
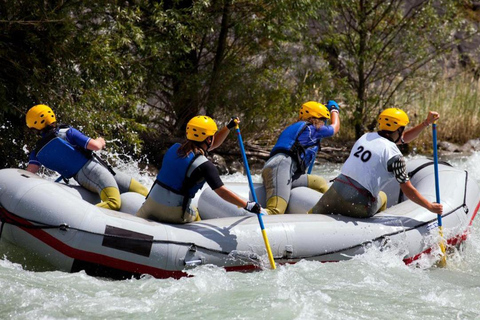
{"x":59,"y":225}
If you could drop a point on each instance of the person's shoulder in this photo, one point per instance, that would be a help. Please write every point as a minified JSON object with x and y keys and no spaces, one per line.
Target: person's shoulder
{"x":325,"y":129}
{"x":375,"y":136}
{"x":204,"y":161}
{"x":207,"y":168}
{"x":74,"y":131}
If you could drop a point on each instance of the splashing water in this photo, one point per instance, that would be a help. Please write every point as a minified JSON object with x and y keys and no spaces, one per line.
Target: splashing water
{"x":375,"y":285}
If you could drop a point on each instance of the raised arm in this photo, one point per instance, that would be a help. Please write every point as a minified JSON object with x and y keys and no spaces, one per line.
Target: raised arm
{"x":335,"y":121}
{"x":222,"y":134}
{"x":413,"y":133}
{"x":334,"y":109}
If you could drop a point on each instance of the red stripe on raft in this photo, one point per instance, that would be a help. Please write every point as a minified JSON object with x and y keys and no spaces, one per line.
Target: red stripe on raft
{"x":100,"y":259}
{"x":453,"y":242}
{"x":161,"y":273}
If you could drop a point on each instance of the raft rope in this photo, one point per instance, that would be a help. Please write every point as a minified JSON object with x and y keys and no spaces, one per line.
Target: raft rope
{"x":384,"y":238}
{"x":65,"y":227}
{"x":193,"y":246}
{"x":411,"y":174}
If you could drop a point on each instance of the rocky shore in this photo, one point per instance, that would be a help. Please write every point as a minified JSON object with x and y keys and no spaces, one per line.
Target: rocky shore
{"x":229,"y":160}
{"x":468,"y":148}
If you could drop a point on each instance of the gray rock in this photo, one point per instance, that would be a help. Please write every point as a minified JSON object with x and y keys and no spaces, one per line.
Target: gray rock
{"x":237,"y":166}
{"x":471,"y":145}
{"x":220,"y":163}
{"x":449,"y":147}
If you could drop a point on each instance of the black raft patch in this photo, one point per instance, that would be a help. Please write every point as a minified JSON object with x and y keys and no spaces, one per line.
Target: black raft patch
{"x":127,"y":240}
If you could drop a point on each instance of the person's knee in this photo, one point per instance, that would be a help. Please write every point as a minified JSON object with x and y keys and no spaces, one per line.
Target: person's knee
{"x":383,"y":198}
{"x":137,"y":187}
{"x":276,"y":205}
{"x":317,"y":183}
{"x":110,"y":197}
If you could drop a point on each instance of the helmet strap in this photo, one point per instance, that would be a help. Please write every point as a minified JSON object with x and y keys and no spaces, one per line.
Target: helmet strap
{"x":400,"y":135}
{"x":208,"y":141}
{"x":387,"y":135}
{"x":202,"y":145}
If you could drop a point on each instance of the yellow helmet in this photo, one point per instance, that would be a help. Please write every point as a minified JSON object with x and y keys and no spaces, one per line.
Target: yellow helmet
{"x":391,"y":119}
{"x":200,"y":128}
{"x":39,"y":116}
{"x":313,"y":109}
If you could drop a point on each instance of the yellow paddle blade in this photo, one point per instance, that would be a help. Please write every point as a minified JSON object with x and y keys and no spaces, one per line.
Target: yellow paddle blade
{"x":269,"y":251}
{"x":443,"y":260}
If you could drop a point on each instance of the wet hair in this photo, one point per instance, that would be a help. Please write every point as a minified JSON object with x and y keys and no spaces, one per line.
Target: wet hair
{"x":388,"y":134}
{"x":317,"y":122}
{"x":48,"y":128}
{"x":190,"y":146}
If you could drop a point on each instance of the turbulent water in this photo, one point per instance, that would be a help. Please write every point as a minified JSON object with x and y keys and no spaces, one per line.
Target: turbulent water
{"x":376,"y":285}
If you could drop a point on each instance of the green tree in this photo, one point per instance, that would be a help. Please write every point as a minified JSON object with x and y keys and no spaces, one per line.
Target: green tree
{"x":75,"y":56}
{"x":222,"y":57}
{"x":377,"y":48}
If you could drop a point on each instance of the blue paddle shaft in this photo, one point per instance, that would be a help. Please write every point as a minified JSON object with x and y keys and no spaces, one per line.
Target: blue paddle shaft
{"x":245,"y":163}
{"x":435,"y":166}
{"x":310,"y":168}
{"x":247,"y":169}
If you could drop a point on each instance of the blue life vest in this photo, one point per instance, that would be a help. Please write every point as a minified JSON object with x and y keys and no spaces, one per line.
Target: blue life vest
{"x":288,"y":143}
{"x":177,"y":169}
{"x":57,"y":154}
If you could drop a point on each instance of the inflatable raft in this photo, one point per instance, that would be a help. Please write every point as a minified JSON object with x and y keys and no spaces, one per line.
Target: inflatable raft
{"x":58,"y":224}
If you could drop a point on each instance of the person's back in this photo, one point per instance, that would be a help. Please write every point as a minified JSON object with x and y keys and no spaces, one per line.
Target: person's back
{"x":373,"y":161}
{"x":295,"y":152}
{"x":185,"y":169}
{"x":368,"y":161}
{"x":69,"y":152}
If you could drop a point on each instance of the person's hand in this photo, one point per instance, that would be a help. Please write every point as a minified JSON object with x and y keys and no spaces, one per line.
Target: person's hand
{"x":332,"y":105}
{"x":99,"y":143}
{"x":436,"y":208}
{"x":232,"y":123}
{"x":253,"y":207}
{"x":431,"y":118}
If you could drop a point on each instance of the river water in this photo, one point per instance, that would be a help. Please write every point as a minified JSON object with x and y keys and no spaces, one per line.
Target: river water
{"x":376,"y":285}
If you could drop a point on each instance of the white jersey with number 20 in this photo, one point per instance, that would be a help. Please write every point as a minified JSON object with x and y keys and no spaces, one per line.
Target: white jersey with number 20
{"x":367,"y":163}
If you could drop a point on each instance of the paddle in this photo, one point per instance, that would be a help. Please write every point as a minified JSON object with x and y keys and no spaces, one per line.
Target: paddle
{"x":250,"y":183}
{"x":310,"y":168}
{"x":443,"y":260}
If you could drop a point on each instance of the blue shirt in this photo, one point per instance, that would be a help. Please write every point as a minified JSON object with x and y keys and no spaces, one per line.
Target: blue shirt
{"x":311,"y":135}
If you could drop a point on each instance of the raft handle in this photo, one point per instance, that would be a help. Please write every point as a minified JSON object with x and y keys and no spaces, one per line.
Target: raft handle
{"x":289,"y":251}
{"x":193,"y":263}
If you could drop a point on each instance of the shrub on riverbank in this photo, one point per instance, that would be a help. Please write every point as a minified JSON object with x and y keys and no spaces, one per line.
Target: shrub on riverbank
{"x":457,"y":102}
{"x":455,"y":98}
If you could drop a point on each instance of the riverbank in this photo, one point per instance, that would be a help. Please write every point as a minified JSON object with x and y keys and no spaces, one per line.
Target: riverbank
{"x":229,"y":160}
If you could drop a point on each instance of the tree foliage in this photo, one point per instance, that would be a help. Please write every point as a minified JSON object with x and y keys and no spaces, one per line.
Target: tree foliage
{"x":220,"y":58}
{"x":376,"y":48}
{"x":74,"y":56}
{"x":135,"y":71}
